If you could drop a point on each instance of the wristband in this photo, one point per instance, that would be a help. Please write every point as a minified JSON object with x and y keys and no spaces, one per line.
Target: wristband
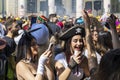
{"x":72,"y":64}
{"x":41,"y":63}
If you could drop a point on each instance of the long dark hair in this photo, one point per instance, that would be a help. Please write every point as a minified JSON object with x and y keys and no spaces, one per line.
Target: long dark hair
{"x":66,"y":49}
{"x":24,"y":47}
{"x":109,"y":68}
{"x":104,"y":42}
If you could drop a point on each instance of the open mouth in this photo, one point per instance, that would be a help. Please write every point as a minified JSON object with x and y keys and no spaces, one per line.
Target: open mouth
{"x":77,"y":48}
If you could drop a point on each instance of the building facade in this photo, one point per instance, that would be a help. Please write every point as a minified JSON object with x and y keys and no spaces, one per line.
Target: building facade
{"x":2,"y":7}
{"x":61,"y":7}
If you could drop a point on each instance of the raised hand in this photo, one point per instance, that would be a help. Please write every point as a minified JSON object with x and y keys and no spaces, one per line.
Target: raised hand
{"x":92,"y":59}
{"x":86,"y":17}
{"x":115,"y":39}
{"x":75,"y":60}
{"x":111,"y":21}
{"x":42,"y":60}
{"x":46,"y":54}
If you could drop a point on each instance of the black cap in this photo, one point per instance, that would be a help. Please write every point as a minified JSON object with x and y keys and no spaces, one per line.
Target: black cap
{"x":75,"y":30}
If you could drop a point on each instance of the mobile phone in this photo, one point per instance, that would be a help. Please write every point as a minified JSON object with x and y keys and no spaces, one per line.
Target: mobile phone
{"x":76,"y":52}
{"x":50,"y":46}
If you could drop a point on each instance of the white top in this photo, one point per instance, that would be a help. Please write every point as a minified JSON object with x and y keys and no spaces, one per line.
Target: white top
{"x":85,"y":52}
{"x":17,"y":38}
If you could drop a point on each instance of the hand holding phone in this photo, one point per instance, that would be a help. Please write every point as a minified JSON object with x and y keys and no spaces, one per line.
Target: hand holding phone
{"x":78,"y":52}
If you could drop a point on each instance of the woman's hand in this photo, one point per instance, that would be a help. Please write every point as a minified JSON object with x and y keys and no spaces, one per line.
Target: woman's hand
{"x":47,"y":54}
{"x":86,"y":17}
{"x":75,"y":60}
{"x":42,"y":60}
{"x":115,"y":38}
{"x":111,"y":21}
{"x":78,"y":57}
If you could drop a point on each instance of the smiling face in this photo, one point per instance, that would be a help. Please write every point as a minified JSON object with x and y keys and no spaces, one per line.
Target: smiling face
{"x":95,"y":36}
{"x":77,"y":43}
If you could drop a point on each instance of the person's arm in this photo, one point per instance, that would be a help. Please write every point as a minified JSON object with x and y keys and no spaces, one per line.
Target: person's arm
{"x":50,"y":72}
{"x":92,"y":59}
{"x":41,"y":65}
{"x":62,"y":73}
{"x":115,"y":38}
{"x":39,"y":77}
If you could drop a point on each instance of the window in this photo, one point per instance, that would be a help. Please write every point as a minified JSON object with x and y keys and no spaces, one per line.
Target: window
{"x":58,"y":2}
{"x":97,"y":5}
{"x":31,"y":6}
{"x":0,"y":6}
{"x":73,"y":6}
{"x":43,"y":6}
{"x":88,"y":5}
{"x":115,"y":7}
{"x":3,"y":7}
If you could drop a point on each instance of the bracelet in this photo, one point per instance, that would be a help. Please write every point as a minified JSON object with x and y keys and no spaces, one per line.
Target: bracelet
{"x":69,"y":66}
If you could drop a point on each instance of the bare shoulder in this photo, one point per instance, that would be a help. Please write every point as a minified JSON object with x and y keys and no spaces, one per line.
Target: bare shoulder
{"x":23,"y":70}
{"x":21,"y":66}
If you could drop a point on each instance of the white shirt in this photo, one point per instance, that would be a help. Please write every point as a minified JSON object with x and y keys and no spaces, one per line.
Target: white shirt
{"x":85,"y":52}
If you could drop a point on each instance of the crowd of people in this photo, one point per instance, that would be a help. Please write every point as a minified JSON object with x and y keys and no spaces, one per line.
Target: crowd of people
{"x":41,"y":48}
